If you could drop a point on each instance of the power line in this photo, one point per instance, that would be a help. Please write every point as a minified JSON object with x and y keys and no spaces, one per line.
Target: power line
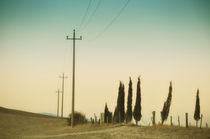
{"x":83,"y":19}
{"x":92,"y":15}
{"x":113,"y":20}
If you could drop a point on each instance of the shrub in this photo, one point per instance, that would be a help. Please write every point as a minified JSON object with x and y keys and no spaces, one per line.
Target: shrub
{"x":79,"y":118}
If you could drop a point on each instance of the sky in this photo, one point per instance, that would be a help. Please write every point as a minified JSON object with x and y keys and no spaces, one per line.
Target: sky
{"x":158,"y":40}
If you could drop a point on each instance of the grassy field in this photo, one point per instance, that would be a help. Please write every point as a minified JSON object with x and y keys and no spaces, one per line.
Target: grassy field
{"x":17,"y":124}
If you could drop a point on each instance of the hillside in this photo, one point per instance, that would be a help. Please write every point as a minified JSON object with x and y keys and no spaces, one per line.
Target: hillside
{"x":23,"y":113}
{"x":16,"y":124}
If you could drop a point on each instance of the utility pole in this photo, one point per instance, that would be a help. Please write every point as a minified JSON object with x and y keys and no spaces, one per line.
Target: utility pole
{"x":186,"y":115}
{"x":58,"y":102}
{"x":73,"y":75}
{"x":63,"y":77}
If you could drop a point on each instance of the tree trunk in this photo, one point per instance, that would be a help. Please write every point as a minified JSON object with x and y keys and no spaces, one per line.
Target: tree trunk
{"x":136,"y":122}
{"x":196,"y":123}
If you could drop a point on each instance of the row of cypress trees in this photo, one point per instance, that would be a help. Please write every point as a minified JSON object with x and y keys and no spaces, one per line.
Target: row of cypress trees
{"x":120,"y":115}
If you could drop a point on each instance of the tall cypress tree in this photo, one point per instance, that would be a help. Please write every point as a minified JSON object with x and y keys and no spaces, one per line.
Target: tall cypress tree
{"x":137,"y":108}
{"x":167,"y":104}
{"x":118,"y":108}
{"x":129,"y":102}
{"x":106,"y":111}
{"x":116,"y":117}
{"x":119,"y":114}
{"x":119,"y":103}
{"x":197,"y":109}
{"x":122,"y":103}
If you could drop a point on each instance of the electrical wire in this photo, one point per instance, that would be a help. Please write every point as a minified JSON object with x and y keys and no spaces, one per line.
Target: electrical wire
{"x":92,"y":15}
{"x":83,"y":19}
{"x":112,"y":21}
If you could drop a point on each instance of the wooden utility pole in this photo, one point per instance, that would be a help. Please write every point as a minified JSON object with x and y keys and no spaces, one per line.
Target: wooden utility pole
{"x":201,"y":121}
{"x":186,"y":115}
{"x":153,"y":118}
{"x":178,"y":121}
{"x":73,"y":75}
{"x":95,"y":118}
{"x":171,"y":120}
{"x":63,"y":77}
{"x":58,"y":102}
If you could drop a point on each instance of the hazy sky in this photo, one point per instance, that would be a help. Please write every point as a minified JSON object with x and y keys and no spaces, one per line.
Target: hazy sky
{"x":159,"y":40}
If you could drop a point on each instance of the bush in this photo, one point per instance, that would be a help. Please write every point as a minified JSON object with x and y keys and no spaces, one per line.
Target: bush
{"x":79,"y":118}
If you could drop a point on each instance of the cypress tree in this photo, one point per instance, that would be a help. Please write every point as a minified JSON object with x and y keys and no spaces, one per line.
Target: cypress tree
{"x":118,"y":108}
{"x":119,"y":103}
{"x":119,"y":114}
{"x":105,"y":113}
{"x":197,"y":109}
{"x":116,"y":117}
{"x":137,"y":108}
{"x":167,"y":104}
{"x":129,"y":102}
{"x":122,"y":103}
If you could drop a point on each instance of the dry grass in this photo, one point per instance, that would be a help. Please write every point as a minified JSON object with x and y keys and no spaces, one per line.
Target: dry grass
{"x":17,"y":124}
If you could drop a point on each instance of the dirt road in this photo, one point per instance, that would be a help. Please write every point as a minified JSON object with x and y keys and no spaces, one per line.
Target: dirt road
{"x":133,"y":132}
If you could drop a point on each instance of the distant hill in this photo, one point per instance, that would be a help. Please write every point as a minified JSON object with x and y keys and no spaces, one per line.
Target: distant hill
{"x":19,"y":112}
{"x":48,"y":114}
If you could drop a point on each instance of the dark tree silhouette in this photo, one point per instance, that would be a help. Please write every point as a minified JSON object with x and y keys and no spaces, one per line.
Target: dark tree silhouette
{"x":167,"y":104}
{"x":119,"y":114}
{"x":116,"y":115}
{"x":197,"y":109}
{"x":107,"y":115}
{"x":119,"y":103}
{"x":137,"y":108}
{"x":117,"y":118}
{"x":129,"y":102}
{"x":122,"y":104}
